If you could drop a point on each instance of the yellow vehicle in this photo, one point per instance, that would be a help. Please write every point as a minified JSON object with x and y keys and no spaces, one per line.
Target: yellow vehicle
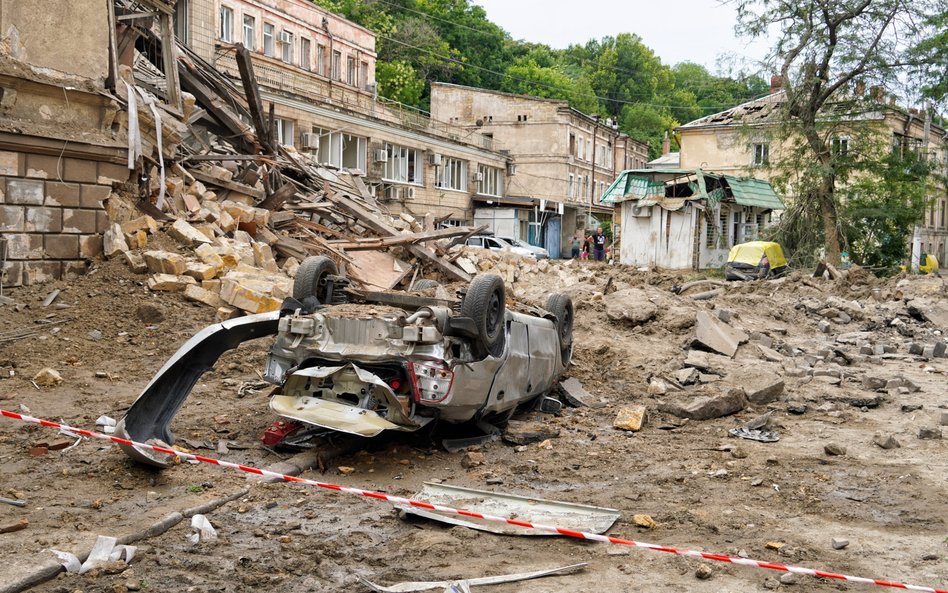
{"x":755,"y":259}
{"x":927,"y":264}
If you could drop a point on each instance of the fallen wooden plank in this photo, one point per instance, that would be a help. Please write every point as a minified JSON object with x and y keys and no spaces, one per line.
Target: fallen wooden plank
{"x":277,"y":198}
{"x":252,"y":93}
{"x":315,"y":226}
{"x":378,"y":242}
{"x":370,"y":219}
{"x":377,"y":269}
{"x":231,"y":185}
{"x":218,"y":108}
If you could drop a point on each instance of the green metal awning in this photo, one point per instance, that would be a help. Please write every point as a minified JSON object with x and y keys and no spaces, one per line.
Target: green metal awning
{"x":753,"y":192}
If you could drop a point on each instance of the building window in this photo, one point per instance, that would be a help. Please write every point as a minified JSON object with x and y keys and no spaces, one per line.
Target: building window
{"x":941,"y":213}
{"x":181,"y":24}
{"x":305,"y":50}
{"x":602,"y":189}
{"x":269,"y":43}
{"x":351,"y":77}
{"x":761,"y":154}
{"x":341,"y":150}
{"x":490,"y":181}
{"x":840,"y":146}
{"x":227,"y":24}
{"x":453,"y":174}
{"x":364,"y":73}
{"x":321,"y":59}
{"x":284,"y":129}
{"x":336,"y":65}
{"x":569,"y":187}
{"x":249,"y":36}
{"x":585,"y":188}
{"x":286,"y":40}
{"x":402,"y":164}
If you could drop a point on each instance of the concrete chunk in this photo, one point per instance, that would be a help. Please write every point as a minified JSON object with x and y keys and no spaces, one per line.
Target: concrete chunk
{"x":263,"y":257}
{"x":250,"y":295}
{"x":135,"y":262}
{"x":192,"y":292}
{"x":717,"y":336}
{"x":201,"y":271}
{"x":706,"y":408}
{"x":113,"y":241}
{"x":764,"y":392}
{"x":143,"y":223}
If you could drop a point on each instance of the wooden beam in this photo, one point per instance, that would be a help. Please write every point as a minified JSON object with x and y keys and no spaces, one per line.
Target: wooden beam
{"x":220,"y":110}
{"x":237,"y":187}
{"x":169,"y":58}
{"x":254,"y":103}
{"x":276,"y":199}
{"x":369,"y":219}
{"x":380,"y":242}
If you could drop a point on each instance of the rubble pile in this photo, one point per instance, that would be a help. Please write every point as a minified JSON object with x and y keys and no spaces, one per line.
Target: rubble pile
{"x":244,"y":210}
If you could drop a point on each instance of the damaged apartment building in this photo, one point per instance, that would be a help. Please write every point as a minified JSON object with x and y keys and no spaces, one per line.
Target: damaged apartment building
{"x":59,"y":150}
{"x":318,"y":71}
{"x":565,"y":159}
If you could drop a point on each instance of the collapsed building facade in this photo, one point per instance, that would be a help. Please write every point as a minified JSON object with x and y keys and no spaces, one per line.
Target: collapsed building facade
{"x":687,"y":219}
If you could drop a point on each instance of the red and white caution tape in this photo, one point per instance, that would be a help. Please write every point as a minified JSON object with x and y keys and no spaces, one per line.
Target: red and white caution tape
{"x":397,"y":500}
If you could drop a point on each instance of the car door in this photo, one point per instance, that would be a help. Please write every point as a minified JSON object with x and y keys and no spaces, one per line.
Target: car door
{"x":493,"y":244}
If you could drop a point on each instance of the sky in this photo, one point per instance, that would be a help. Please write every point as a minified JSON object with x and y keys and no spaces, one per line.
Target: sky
{"x":699,"y":31}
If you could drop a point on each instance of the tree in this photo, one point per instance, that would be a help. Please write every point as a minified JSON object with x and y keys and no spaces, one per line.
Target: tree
{"x":822,"y":47}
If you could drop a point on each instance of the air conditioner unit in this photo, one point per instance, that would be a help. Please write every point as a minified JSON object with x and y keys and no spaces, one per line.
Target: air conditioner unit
{"x":478,"y":176}
{"x":372,"y":87}
{"x":381,"y":156}
{"x":408,"y":193}
{"x":310,"y":141}
{"x":434,"y":159}
{"x":286,"y":37}
{"x":640,"y":211}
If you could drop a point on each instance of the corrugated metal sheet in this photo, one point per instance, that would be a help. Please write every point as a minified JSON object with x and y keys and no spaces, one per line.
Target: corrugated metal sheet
{"x":753,"y":192}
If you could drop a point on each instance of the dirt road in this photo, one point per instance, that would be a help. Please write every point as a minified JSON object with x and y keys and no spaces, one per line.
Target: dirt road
{"x":783,"y":501}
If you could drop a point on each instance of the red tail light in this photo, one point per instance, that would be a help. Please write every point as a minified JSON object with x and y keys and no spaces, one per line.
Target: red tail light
{"x":430,"y":382}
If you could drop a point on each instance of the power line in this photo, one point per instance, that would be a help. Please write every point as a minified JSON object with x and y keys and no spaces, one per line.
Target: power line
{"x":539,"y":83}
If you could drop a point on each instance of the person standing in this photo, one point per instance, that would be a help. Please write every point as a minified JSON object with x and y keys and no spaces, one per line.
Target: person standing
{"x":599,"y":245}
{"x":574,"y":251}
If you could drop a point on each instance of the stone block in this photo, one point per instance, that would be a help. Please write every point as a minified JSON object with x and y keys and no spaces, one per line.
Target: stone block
{"x":227,"y":222}
{"x":249,"y":294}
{"x":211,"y":285}
{"x":706,"y":408}
{"x":29,"y":192}
{"x":143,"y":223}
{"x":113,"y":241}
{"x":135,"y":262}
{"x":11,"y":274}
{"x":717,"y":336}
{"x":200,"y":295}
{"x":61,"y":246}
{"x":630,"y":418}
{"x":191,"y":203}
{"x":240,"y":212}
{"x":164,"y":262}
{"x":79,"y":221}
{"x":764,"y":392}
{"x":63,"y":194}
{"x":201,"y":271}
{"x":210,"y":256}
{"x":44,"y":220}
{"x":40,"y":272}
{"x":74,"y":269}
{"x":11,"y":163}
{"x":225,"y":313}
{"x":91,"y":196}
{"x":90,"y":246}
{"x":109,"y":173}
{"x":24,"y":246}
{"x":182,"y":232}
{"x":263,"y":257}
{"x":261,"y":216}
{"x":12,"y":219}
{"x":137,"y":239}
{"x":170,"y":283}
{"x":41,"y":166}
{"x":79,"y":170}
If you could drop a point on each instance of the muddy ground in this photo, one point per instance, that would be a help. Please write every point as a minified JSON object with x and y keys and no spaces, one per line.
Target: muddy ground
{"x":704,"y":489}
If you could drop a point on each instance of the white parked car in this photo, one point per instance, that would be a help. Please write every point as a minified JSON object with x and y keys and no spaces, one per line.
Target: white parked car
{"x":538,"y":252}
{"x":497,"y":244}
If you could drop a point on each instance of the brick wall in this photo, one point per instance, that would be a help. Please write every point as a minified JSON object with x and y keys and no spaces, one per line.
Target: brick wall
{"x":51,"y":214}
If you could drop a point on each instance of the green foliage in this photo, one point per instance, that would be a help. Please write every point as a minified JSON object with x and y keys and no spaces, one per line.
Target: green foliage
{"x":421,"y":41}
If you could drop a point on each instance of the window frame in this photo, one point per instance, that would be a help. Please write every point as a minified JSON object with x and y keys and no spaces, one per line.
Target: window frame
{"x":336,"y":66}
{"x":287,"y":46}
{"x":226,"y":32}
{"x":306,"y":49}
{"x":492,"y":179}
{"x":269,"y":50}
{"x":760,"y":154}
{"x":252,"y":30}
{"x":284,"y":128}
{"x":403,"y":165}
{"x":452,"y":175}
{"x":352,"y":70}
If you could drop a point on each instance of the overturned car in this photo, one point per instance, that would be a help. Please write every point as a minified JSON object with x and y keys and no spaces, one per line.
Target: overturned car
{"x":357,"y":362}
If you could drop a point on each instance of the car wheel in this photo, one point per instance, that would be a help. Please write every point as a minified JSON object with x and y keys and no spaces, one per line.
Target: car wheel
{"x":561,"y":306}
{"x":311,"y":277}
{"x":425,"y":283}
{"x":485,"y":304}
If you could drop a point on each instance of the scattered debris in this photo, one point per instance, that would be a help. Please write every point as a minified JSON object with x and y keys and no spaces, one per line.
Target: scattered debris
{"x":716,"y":335}
{"x":704,"y":572}
{"x":577,"y":395}
{"x":630,"y":418}
{"x":203,"y":530}
{"x":645,"y":521}
{"x":886,"y":441}
{"x":839,"y":543}
{"x":533,"y":510}
{"x":105,"y":552}
{"x":929,"y":433}
{"x":708,"y":407}
{"x":463,"y":585}
{"x":48,"y":377}
{"x":526,"y":433}
{"x":18,"y":526}
{"x":834,"y":449}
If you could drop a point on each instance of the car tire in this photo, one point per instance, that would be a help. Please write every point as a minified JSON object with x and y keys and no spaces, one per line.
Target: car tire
{"x":561,"y":305}
{"x":485,"y":304}
{"x":425,"y":283}
{"x":311,"y":276}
